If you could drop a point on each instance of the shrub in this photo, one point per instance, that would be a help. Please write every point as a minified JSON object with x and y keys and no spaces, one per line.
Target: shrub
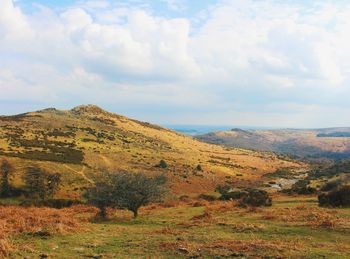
{"x":234,"y":195}
{"x":339,"y":197}
{"x":246,"y":197}
{"x":331,"y":185}
{"x":228,"y":194}
{"x":301,"y":187}
{"x":162,"y":164}
{"x":256,"y":198}
{"x":223,"y":189}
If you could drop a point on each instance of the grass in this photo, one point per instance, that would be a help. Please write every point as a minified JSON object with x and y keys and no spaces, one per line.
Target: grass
{"x":217,"y":229}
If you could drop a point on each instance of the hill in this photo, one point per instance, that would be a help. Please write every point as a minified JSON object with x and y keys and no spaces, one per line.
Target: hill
{"x":333,"y":143}
{"x":86,"y":141}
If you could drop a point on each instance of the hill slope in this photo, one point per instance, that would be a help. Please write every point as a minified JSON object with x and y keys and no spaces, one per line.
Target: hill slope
{"x":84,"y":142}
{"x":315,"y":143}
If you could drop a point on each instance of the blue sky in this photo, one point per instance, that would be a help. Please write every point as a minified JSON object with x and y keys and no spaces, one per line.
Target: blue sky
{"x":266,"y":63}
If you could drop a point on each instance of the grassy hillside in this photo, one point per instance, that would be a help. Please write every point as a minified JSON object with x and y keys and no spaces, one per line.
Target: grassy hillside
{"x":86,"y":141}
{"x":331,"y":143}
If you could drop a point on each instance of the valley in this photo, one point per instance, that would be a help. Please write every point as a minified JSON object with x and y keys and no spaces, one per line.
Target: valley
{"x":331,"y":143}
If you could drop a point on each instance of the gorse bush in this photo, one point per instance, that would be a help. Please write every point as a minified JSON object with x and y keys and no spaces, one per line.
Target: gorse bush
{"x":340,"y":197}
{"x":301,"y":187}
{"x":255,"y":198}
{"x":162,"y":164}
{"x":331,"y":185}
{"x":246,"y":197}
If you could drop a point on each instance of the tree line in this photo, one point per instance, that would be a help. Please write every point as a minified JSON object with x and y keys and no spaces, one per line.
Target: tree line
{"x":122,"y":190}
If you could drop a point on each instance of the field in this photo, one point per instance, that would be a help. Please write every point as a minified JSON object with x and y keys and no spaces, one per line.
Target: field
{"x":294,"y":227}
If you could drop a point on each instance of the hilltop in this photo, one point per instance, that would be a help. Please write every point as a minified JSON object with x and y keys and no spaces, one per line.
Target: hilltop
{"x":333,"y":143}
{"x":87,"y":141}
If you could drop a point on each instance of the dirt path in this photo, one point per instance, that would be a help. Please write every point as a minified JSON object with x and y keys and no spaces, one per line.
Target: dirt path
{"x":81,"y":173}
{"x":106,"y":160}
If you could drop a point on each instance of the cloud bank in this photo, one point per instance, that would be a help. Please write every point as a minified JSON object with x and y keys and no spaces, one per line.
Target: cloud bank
{"x":239,"y":62}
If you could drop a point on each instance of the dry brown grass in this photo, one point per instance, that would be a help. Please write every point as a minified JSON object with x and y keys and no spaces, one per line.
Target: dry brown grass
{"x":222,"y":206}
{"x":6,"y":247}
{"x":170,"y":231}
{"x":244,"y":227}
{"x":39,"y":221}
{"x":307,"y":216}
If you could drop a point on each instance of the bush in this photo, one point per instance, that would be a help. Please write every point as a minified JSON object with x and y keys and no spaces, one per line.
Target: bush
{"x":234,"y":195}
{"x":301,"y":187}
{"x":331,"y":185}
{"x":223,"y":189}
{"x":162,"y":164}
{"x":339,"y":197}
{"x":246,"y":197}
{"x":255,"y":198}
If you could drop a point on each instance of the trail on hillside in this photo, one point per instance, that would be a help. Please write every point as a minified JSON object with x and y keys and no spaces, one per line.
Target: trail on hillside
{"x":81,"y":173}
{"x":106,"y":160}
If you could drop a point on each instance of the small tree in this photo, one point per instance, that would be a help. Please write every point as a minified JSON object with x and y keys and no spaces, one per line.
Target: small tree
{"x":52,"y":184}
{"x":125,"y":191}
{"x":199,"y":168}
{"x":39,"y":183}
{"x":34,"y":180}
{"x":101,"y":196}
{"x":135,"y":190}
{"x":5,"y":173}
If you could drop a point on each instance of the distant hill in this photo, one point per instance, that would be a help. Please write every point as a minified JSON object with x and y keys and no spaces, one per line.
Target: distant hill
{"x":86,"y":141}
{"x":333,"y":143}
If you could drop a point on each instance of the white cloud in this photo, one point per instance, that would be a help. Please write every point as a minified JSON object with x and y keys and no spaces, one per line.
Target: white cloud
{"x":244,"y":54}
{"x":176,"y":5}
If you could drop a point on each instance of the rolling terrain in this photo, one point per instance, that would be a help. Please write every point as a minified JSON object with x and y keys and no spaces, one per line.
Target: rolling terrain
{"x":333,"y":143}
{"x":86,"y":141}
{"x":294,"y":227}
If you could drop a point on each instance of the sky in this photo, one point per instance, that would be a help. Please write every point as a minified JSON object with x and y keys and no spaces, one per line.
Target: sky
{"x":268,"y":63}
